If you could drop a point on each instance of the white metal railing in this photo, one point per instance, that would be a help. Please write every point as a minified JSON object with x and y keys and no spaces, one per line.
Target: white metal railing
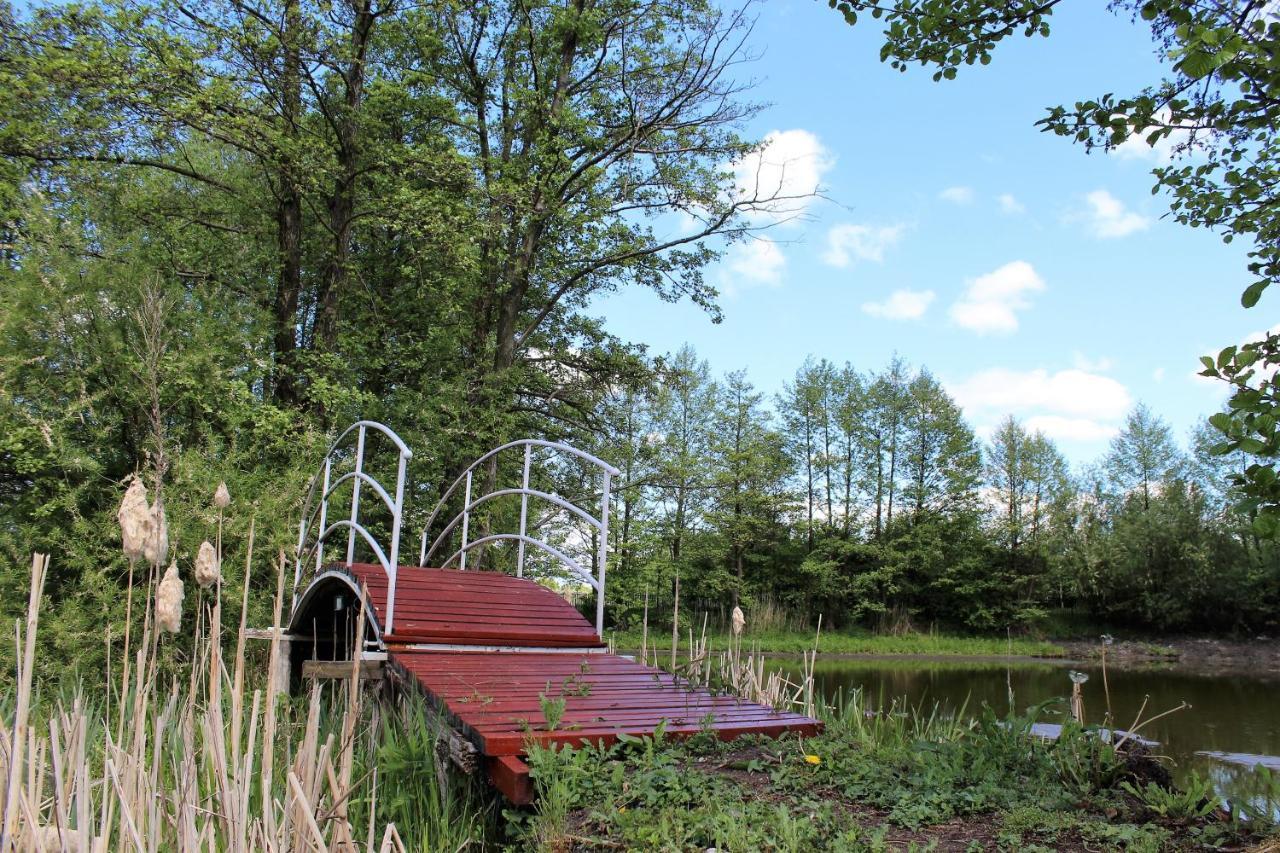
{"x":314,"y":511}
{"x":522,"y":538}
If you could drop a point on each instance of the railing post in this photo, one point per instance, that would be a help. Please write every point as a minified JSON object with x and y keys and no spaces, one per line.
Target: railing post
{"x":466,"y":519}
{"x":355,"y":496}
{"x":524,"y":510}
{"x":397,"y":519}
{"x":604,"y":552}
{"x":324,"y":512}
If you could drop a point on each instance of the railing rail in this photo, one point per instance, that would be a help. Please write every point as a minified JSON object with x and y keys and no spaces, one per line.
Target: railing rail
{"x":522,"y":538}
{"x":316,"y":507}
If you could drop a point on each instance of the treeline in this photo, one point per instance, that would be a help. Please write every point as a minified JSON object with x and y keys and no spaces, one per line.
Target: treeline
{"x":866,"y":497}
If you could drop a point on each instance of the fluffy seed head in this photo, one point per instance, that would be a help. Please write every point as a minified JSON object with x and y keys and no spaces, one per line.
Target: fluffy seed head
{"x":169,"y":600}
{"x":222,"y":498}
{"x":135,"y":519}
{"x":156,"y":546}
{"x":738,"y":620}
{"x":207,"y":567}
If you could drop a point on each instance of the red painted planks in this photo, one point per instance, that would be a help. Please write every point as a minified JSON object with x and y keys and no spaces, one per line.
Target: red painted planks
{"x":452,"y":607}
{"x":510,"y":775}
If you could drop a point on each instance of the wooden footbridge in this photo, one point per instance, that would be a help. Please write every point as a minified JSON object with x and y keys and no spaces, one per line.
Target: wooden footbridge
{"x":490,"y":652}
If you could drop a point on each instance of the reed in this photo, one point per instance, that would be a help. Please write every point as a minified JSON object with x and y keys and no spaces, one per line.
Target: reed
{"x":197,"y":760}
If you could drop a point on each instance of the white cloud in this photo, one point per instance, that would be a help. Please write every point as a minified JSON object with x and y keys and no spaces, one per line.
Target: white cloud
{"x":1108,"y":217}
{"x":1066,"y":405}
{"x":1061,"y":428}
{"x":957,"y":195}
{"x":788,"y":166}
{"x":990,"y":302}
{"x":846,"y":243}
{"x":1080,"y":361}
{"x":1158,"y":374}
{"x":901,"y":305}
{"x":1136,"y":146}
{"x":1009,"y":204}
{"x":1072,"y":392}
{"x":757,"y":261}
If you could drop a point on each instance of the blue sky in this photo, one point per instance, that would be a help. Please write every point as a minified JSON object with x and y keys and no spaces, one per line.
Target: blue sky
{"x":1030,"y":277}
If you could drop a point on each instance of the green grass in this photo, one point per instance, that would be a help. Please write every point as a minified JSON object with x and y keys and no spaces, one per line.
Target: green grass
{"x":860,"y":643}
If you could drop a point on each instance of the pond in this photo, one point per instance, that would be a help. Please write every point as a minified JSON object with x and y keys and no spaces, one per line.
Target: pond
{"x":1232,"y":724}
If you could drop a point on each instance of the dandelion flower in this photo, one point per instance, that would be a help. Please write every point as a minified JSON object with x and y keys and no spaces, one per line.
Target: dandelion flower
{"x":156,"y":548}
{"x":812,"y":759}
{"x":207,"y":567}
{"x":169,"y":600}
{"x":738,"y":621}
{"x":222,"y":498}
{"x":135,"y":519}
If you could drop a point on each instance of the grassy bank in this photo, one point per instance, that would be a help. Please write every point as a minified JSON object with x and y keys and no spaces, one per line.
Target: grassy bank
{"x":900,"y":779}
{"x":854,"y":643}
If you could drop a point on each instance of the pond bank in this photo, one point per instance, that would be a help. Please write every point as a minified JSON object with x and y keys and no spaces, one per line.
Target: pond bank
{"x":1260,"y":656}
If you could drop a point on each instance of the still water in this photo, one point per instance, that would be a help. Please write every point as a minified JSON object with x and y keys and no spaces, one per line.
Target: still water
{"x":1233,"y":722}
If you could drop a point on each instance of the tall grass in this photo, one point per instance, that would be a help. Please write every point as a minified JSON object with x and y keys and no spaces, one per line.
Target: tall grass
{"x":195,"y":759}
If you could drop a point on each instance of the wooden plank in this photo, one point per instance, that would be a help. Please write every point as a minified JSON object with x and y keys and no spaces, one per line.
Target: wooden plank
{"x":510,"y":775}
{"x":369,"y":669}
{"x":514,"y":743}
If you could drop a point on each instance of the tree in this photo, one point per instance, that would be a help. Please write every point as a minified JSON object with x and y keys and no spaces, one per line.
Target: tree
{"x":849,"y":403}
{"x":683,"y":421}
{"x":1142,"y":456}
{"x":751,"y":468}
{"x":1217,"y":101}
{"x":804,"y":404}
{"x":942,"y":457}
{"x":1007,"y":475}
{"x":886,"y":405}
{"x":583,"y":124}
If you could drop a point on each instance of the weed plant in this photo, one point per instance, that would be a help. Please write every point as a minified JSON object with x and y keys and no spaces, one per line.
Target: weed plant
{"x":879,"y":777}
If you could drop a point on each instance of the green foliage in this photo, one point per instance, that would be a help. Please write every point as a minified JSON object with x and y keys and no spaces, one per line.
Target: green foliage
{"x":1195,"y":799}
{"x":439,"y":810}
{"x":877,"y":778}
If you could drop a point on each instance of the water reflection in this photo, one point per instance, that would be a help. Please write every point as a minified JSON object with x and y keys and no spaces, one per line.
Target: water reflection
{"x":1233,"y":718}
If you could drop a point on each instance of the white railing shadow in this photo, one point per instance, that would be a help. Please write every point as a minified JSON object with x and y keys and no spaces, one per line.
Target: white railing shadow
{"x":315,"y":513}
{"x":466,"y":480}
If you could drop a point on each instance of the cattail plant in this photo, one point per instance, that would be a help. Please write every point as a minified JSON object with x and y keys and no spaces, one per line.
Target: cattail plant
{"x":737,"y":621}
{"x":135,"y":519}
{"x":222,"y":497}
{"x":169,"y":600}
{"x":156,"y":547}
{"x":208,"y":567}
{"x":1077,"y":695}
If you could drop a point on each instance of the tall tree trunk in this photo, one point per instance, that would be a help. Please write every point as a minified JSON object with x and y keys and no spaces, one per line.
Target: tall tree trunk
{"x":342,"y":201}
{"x":808,"y":467}
{"x":288,"y":216}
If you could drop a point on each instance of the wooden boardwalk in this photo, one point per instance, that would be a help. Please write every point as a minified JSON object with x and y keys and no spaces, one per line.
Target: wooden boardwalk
{"x":484,"y":649}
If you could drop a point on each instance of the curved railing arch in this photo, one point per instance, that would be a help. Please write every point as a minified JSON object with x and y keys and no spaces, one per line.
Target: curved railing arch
{"x":324,"y":486}
{"x":522,"y":538}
